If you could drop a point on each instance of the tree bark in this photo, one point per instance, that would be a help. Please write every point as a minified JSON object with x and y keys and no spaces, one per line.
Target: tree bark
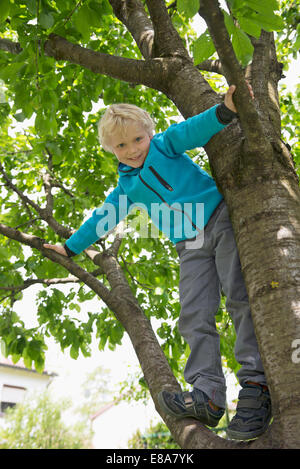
{"x":133,"y":15}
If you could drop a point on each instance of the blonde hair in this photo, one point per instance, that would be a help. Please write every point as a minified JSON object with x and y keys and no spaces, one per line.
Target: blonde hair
{"x":117,"y":117}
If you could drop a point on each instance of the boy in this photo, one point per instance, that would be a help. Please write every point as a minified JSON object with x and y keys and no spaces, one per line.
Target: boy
{"x":154,"y":170}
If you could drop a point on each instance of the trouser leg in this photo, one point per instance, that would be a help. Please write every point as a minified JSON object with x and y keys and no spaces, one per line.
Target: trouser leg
{"x":229,"y":272}
{"x":203,"y":272}
{"x":200,"y":298}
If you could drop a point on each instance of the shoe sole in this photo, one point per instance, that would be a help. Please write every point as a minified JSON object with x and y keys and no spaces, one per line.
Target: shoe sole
{"x":202,"y":419}
{"x":237,"y":435}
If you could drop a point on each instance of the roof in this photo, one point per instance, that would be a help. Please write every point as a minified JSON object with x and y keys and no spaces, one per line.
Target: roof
{"x":103,"y":409}
{"x":7,"y":362}
{"x":109,"y":405}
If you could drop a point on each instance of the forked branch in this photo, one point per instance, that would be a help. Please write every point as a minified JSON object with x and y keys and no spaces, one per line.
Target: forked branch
{"x":249,"y":118}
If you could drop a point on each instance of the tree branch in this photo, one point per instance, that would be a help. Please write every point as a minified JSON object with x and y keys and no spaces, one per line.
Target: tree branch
{"x":56,"y":183}
{"x":22,"y":196}
{"x":83,"y":276}
{"x":133,"y":15}
{"x":264,"y":73}
{"x":47,"y":282}
{"x":44,"y":213}
{"x":150,"y":72}
{"x":212,"y":14}
{"x":10,"y":46}
{"x":146,"y":72}
{"x":114,"y":249}
{"x":52,"y":177}
{"x":27,"y":223}
{"x":32,"y":281}
{"x":166,"y":38}
{"x":49,"y":197}
{"x":214,"y":66}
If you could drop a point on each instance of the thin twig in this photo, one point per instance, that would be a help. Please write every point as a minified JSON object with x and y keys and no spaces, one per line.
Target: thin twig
{"x":37,"y":45}
{"x":78,"y":4}
{"x":133,"y":278}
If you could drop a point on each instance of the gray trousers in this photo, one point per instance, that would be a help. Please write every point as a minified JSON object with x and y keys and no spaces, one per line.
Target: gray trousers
{"x":204,"y":272}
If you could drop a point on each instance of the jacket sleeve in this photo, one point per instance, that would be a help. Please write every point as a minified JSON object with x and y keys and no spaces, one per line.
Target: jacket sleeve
{"x":196,"y":131}
{"x":102,"y":221}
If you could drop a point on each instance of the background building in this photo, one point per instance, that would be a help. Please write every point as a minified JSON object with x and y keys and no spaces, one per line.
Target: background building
{"x":16,"y":380}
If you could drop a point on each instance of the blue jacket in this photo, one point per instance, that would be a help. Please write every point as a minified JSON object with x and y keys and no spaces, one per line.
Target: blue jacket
{"x":178,"y":195}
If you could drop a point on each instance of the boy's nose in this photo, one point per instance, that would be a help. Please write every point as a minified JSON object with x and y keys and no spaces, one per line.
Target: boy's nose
{"x":133,"y":150}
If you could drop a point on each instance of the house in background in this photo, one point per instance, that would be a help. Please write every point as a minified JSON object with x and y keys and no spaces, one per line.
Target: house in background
{"x":16,"y":380}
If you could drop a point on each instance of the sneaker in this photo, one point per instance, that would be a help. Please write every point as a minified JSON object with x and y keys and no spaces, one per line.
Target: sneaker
{"x":253,"y":413}
{"x":190,"y":404}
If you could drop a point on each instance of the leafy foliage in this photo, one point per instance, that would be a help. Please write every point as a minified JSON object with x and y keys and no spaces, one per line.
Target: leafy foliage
{"x":243,"y":19}
{"x":288,"y":44}
{"x":96,"y":392}
{"x":37,"y":424}
{"x":290,"y":107}
{"x":156,"y":436}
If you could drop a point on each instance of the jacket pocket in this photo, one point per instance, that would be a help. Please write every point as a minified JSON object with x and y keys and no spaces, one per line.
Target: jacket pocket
{"x":161,"y":179}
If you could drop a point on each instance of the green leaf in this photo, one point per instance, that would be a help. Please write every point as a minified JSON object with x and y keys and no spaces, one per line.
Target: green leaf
{"x":31,"y":5}
{"x":229,"y":23}
{"x":55,"y":150}
{"x":188,"y":8}
{"x":39,"y":364}
{"x":297,"y":42}
{"x":34,"y":349}
{"x":15,"y":358}
{"x":10,"y":71}
{"x":102,"y":342}
{"x":83,"y":20}
{"x":242,"y":46}
{"x":263,"y":6}
{"x":20,"y":116}
{"x":46,"y":20}
{"x":249,"y":27}
{"x":74,"y":352}
{"x":45,"y":124}
{"x":203,"y":48}
{"x":73,"y":306}
{"x":269,"y":22}
{"x":27,"y":360}
{"x":116,"y":334}
{"x":4,"y":10}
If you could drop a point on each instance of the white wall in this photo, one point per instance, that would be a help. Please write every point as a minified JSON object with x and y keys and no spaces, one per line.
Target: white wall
{"x":23,"y":378}
{"x":19,"y":377}
{"x":117,"y":425}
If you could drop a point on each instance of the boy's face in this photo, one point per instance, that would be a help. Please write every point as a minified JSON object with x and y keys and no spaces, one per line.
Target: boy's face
{"x":131,"y":147}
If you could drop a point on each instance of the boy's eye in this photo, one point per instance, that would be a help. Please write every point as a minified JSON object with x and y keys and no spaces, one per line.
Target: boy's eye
{"x":138,"y":139}
{"x":121,"y":145}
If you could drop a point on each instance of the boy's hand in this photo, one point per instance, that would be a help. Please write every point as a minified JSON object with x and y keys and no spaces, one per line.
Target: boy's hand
{"x":228,"y":101}
{"x":56,"y":247}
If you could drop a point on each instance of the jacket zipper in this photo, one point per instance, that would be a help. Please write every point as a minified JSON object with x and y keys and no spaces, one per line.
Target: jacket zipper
{"x":161,"y":180}
{"x":165,"y":202}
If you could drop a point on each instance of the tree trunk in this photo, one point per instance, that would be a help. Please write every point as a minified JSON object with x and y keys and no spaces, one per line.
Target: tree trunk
{"x":261,"y":190}
{"x":263,"y":199}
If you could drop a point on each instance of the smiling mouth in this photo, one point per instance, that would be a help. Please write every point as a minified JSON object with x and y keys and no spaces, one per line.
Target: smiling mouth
{"x":136,"y":158}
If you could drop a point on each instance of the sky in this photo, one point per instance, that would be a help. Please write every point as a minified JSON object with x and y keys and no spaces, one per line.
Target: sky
{"x":121,"y":363}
